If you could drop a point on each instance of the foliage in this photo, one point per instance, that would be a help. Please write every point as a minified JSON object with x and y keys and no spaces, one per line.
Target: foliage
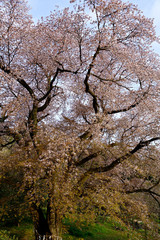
{"x":5,"y":235}
{"x":13,"y":207}
{"x":23,"y":231}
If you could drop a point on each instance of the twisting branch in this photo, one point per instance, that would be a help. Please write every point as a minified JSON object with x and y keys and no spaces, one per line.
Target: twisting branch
{"x":155,"y":199}
{"x":121,"y":159}
{"x":156,"y":184}
{"x":137,"y":102}
{"x":45,"y":105}
{"x":7,"y":144}
{"x":3,"y":118}
{"x":125,"y":109}
{"x":42,"y":117}
{"x":88,"y":158}
{"x":8,"y":71}
{"x":47,"y":96}
{"x":153,"y":194}
{"x":143,"y":190}
{"x":50,"y":86}
{"x":88,"y":90}
{"x":148,"y":190}
{"x":115,"y":163}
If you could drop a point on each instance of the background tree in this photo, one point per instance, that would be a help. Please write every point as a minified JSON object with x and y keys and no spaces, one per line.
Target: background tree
{"x":79,"y":102}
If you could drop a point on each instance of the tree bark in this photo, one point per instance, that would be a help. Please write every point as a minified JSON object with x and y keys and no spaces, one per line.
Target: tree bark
{"x":40,"y":224}
{"x":54,"y":220}
{"x":49,"y":227}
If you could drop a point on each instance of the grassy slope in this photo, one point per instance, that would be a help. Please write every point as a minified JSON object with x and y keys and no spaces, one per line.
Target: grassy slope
{"x":99,"y":231}
{"x":105,"y":231}
{"x":23,"y":232}
{"x":96,"y":232}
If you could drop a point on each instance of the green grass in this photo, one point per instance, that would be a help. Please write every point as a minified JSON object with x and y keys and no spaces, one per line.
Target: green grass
{"x":24,"y":231}
{"x":99,"y":231}
{"x":108,"y":230}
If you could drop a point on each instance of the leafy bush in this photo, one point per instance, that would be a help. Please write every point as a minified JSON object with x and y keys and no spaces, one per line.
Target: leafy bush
{"x":5,"y":235}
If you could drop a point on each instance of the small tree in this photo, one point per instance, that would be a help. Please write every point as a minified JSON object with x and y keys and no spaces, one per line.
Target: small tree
{"x":79,"y":99}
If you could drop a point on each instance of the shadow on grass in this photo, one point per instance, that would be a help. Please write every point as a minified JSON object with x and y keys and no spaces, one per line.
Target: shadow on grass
{"x":99,"y":231}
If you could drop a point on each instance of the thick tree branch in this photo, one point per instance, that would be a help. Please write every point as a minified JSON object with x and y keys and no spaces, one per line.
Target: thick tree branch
{"x":88,"y":158}
{"x":88,"y":90}
{"x":85,"y":135}
{"x":3,"y":118}
{"x":53,"y":80}
{"x":125,"y":109}
{"x":7,"y":144}
{"x":121,"y":159}
{"x":143,"y":190}
{"x":112,"y":80}
{"x":47,"y":102}
{"x":156,"y":184}
{"x":45,"y":105}
{"x":147,"y":190}
{"x":42,"y":117}
{"x":18,"y":79}
{"x":50,"y":86}
{"x":155,"y":199}
{"x":142,"y":144}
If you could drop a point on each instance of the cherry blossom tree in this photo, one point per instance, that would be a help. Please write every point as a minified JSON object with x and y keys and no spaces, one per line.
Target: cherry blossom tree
{"x":79,"y":106}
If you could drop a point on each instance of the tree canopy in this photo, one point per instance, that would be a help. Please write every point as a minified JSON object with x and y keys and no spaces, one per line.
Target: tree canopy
{"x":79,"y":109}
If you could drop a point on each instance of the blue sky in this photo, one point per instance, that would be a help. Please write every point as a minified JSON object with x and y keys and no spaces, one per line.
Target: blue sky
{"x":150,"y":8}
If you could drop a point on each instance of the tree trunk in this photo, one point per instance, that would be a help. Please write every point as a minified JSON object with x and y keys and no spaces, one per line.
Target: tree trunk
{"x":46,"y":228}
{"x":54,"y":221}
